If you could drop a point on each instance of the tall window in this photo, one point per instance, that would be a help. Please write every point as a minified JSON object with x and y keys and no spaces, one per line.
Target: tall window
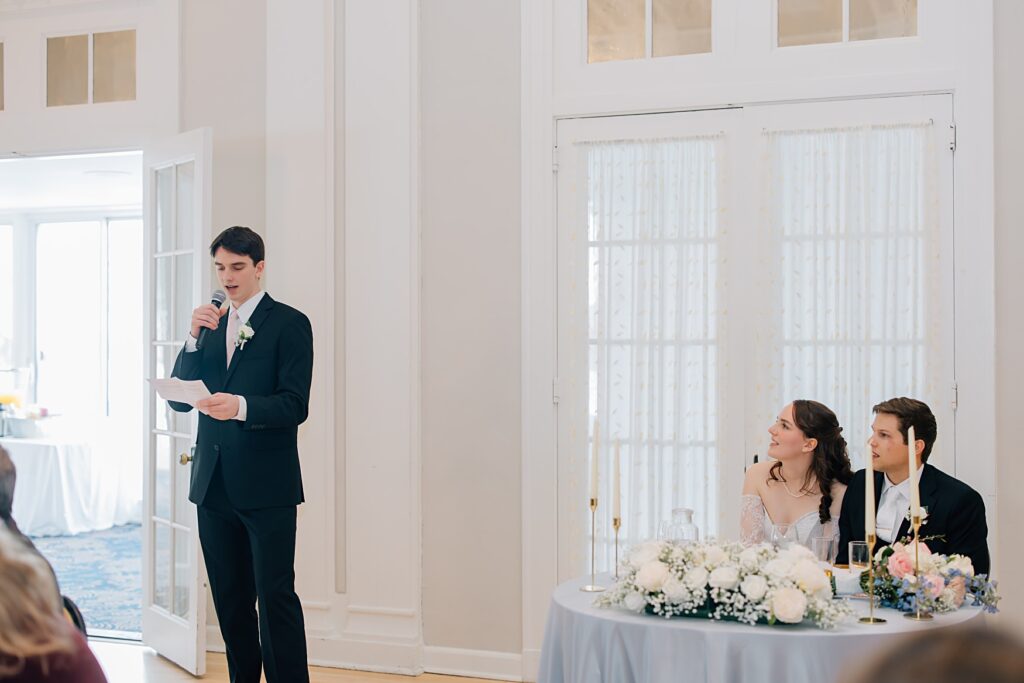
{"x":6,"y":307}
{"x":88,"y":303}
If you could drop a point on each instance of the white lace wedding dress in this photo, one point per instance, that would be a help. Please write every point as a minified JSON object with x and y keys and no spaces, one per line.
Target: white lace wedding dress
{"x":757,"y":527}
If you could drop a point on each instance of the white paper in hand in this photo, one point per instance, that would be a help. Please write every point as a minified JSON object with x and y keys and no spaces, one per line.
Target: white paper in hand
{"x":182,"y":391}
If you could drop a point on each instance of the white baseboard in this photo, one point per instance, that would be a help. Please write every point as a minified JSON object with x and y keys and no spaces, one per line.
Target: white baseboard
{"x":350,"y":653}
{"x":501,"y":666}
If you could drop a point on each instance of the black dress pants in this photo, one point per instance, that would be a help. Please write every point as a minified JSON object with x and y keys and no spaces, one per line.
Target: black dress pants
{"x":250,"y":555}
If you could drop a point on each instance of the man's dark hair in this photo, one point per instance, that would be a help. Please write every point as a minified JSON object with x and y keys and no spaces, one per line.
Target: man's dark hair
{"x":8,"y":474}
{"x":239,"y":239}
{"x":912,"y":413}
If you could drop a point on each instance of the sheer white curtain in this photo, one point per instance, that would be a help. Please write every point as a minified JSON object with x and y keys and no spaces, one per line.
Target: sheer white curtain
{"x":851,"y":279}
{"x":653,"y":228}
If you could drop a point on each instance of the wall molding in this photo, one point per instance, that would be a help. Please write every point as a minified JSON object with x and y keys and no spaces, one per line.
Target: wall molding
{"x":451,"y":661}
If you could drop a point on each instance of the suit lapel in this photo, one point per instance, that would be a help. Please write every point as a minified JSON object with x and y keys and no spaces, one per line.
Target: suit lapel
{"x":255,"y":320}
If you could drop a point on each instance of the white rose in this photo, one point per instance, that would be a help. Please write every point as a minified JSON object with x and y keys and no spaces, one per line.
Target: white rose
{"x":674,"y":589}
{"x":635,"y":601}
{"x":778,"y":568}
{"x":652,"y":576}
{"x":754,"y":586}
{"x":726,"y":576}
{"x":788,"y":605}
{"x":644,"y":553}
{"x":961,"y":564}
{"x":714,"y":556}
{"x":810,"y":576}
{"x":696,"y":578}
{"x":796,"y":552}
{"x":750,"y":557}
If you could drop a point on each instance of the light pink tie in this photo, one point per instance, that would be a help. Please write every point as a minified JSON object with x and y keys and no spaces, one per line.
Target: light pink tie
{"x":233,"y":324}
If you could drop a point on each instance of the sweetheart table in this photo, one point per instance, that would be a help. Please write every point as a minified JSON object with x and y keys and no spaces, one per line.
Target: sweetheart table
{"x":588,"y":644}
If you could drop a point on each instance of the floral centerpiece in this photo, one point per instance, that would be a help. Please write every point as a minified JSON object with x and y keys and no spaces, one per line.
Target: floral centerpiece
{"x":751,"y":584}
{"x":946,"y":581}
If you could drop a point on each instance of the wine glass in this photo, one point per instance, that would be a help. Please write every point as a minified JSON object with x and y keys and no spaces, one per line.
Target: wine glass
{"x":825,"y":548}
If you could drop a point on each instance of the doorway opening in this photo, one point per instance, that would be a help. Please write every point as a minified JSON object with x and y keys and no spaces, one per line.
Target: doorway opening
{"x":71,"y":372}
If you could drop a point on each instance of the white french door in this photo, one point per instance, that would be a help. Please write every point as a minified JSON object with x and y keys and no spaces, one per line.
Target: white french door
{"x":176,"y":206}
{"x":715,"y":265}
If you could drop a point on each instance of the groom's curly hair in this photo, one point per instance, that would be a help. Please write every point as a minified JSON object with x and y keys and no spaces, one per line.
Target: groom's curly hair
{"x":831,"y":462}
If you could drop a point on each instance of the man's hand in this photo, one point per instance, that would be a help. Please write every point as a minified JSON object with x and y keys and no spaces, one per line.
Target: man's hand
{"x":206,"y":315}
{"x":220,"y":406}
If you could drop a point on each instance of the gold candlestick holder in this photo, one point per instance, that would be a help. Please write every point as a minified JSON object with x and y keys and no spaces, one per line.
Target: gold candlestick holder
{"x":917,"y":615}
{"x":616,"y":524}
{"x":592,"y":587}
{"x":871,"y":618}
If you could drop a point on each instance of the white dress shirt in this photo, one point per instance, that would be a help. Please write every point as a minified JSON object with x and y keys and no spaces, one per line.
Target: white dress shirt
{"x":893,"y":506}
{"x":245,"y":312}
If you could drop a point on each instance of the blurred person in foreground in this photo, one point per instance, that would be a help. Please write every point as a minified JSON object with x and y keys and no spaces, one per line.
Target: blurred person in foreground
{"x":959,"y":654}
{"x":37,"y":643}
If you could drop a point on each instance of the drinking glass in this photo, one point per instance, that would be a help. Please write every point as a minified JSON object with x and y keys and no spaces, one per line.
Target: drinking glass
{"x":825,"y":548}
{"x":859,"y":557}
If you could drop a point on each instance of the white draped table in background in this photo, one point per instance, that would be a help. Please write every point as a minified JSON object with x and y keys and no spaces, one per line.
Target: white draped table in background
{"x":68,"y":486}
{"x":588,"y":644}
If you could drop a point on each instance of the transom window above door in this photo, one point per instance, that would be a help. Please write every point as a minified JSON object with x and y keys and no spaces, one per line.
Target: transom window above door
{"x":635,"y":29}
{"x":812,"y":22}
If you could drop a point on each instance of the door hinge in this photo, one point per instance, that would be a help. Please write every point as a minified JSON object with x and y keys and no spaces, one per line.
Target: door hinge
{"x":556,"y":391}
{"x":952,"y":137}
{"x":956,"y":397}
{"x":554,"y":159}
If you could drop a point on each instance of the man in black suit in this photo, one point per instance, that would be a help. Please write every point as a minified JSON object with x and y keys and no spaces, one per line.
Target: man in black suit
{"x":257,"y":358}
{"x":955,"y":512}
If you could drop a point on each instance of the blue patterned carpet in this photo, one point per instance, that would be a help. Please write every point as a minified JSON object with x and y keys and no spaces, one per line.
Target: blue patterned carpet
{"x":102,"y":572}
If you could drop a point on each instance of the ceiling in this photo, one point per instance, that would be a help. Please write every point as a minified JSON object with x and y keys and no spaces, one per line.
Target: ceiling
{"x":80,"y":181}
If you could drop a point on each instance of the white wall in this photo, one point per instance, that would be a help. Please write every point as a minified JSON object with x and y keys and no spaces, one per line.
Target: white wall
{"x":470,"y":118}
{"x":1009,"y":179}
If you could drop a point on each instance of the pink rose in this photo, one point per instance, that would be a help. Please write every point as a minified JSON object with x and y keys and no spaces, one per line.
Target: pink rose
{"x":959,"y":588}
{"x":933,"y":585}
{"x":900,"y":564}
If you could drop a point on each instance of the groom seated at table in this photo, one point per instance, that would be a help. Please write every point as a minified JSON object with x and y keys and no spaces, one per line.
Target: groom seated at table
{"x":953,"y":512}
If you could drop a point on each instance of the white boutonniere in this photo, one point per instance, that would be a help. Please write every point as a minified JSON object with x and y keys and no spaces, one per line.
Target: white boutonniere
{"x":924,"y":515}
{"x":245,"y":333}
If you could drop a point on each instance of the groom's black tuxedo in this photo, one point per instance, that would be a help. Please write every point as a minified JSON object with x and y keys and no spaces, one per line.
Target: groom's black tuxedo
{"x":246,"y":483}
{"x":956,"y":516}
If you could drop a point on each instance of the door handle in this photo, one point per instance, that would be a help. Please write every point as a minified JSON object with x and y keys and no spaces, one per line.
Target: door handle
{"x":186,"y":458}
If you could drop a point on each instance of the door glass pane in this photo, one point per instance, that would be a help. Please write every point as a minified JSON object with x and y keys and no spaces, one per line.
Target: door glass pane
{"x":183,"y":296}
{"x":163,"y":292}
{"x":615,"y":30}
{"x":162,"y":476}
{"x":806,"y":22}
{"x":652,"y":231}
{"x":162,"y":565}
{"x":67,"y":70}
{"x":681,"y":27}
{"x":182,"y":511}
{"x":181,"y":573}
{"x":165,"y":209}
{"x":165,"y":418}
{"x":7,"y":360}
{"x":113,"y":66}
{"x":872,"y":19}
{"x":186,"y":174}
{"x":70,"y":309}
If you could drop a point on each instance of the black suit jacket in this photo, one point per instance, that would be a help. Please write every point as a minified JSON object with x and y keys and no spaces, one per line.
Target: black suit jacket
{"x":956,"y":513}
{"x":259,"y":457}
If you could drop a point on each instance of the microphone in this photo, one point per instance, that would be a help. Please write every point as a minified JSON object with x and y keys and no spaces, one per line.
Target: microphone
{"x":218,"y":299}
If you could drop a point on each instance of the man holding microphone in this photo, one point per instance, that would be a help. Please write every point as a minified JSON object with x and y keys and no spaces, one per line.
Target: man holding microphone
{"x":257,"y":359}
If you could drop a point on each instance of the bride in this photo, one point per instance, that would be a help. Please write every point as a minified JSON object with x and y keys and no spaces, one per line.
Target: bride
{"x":798,"y":496}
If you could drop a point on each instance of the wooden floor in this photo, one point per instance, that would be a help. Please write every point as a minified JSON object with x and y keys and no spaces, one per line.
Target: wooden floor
{"x":126,"y":663}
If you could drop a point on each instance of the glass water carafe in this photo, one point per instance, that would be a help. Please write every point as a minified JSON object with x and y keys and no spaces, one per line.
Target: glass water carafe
{"x":680,"y":528}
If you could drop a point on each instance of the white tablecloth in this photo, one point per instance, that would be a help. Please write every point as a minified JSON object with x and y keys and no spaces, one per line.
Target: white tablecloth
{"x":68,"y":486}
{"x":587,"y":644}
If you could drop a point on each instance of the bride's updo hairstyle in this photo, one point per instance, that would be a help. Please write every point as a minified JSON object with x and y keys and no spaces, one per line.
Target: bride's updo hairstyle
{"x":831,"y":462}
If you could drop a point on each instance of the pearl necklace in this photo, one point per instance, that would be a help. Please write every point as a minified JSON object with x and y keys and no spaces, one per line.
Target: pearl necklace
{"x":795,"y":495}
